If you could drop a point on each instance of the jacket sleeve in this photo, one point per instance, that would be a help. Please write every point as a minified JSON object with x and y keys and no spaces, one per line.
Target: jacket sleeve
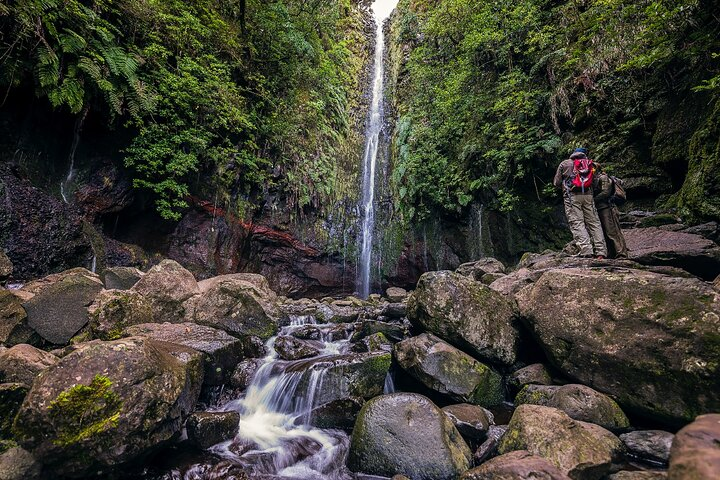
{"x":604,"y":188}
{"x":558,"y":180}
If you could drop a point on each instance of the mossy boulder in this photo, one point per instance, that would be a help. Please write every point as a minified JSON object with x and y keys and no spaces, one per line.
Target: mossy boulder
{"x":22,"y":363}
{"x":167,"y":286}
{"x":695,"y":452}
{"x":241,"y":304}
{"x":535,"y":374}
{"x":11,"y":397}
{"x":649,"y":340}
{"x":373,"y":343}
{"x":121,"y":278}
{"x":339,"y":414}
{"x":114,"y":310}
{"x":517,"y":465}
{"x":583,"y":451}
{"x":58,"y":308}
{"x":222,"y":351}
{"x":479,"y":268}
{"x":405,"y":433}
{"x":579,"y":402}
{"x":13,"y":321}
{"x":466,"y":314}
{"x":447,"y":370}
{"x":108,"y":403}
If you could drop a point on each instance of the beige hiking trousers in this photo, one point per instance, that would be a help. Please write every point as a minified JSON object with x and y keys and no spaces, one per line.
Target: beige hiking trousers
{"x":585,"y":224}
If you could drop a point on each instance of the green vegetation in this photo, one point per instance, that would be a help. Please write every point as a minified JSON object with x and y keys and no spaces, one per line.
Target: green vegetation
{"x":494,"y":94}
{"x":84,"y":411}
{"x":249,"y":94}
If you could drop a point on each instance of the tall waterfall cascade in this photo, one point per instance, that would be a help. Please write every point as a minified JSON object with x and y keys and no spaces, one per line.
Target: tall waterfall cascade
{"x":381,"y":11}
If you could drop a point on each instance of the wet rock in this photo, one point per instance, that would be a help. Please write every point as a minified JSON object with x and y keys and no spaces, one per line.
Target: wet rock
{"x":291,"y":348}
{"x":406,"y":432}
{"x":579,"y":449}
{"x":108,"y":403}
{"x":223,"y":352}
{"x":244,"y":372}
{"x":17,"y":464}
{"x":466,"y":314}
{"x":6,"y":267}
{"x":653,"y":445}
{"x":242,"y":304}
{"x":373,"y":343}
{"x":695,"y":452}
{"x":396,"y":294}
{"x":114,"y":310}
{"x":121,"y":278}
{"x":13,"y":321}
{"x":650,"y":340}
{"x":39,"y":234}
{"x":107,"y":191}
{"x":11,"y":397}
{"x":472,"y":421}
{"x":638,"y":475}
{"x":339,"y":414}
{"x":166,"y":286}
{"x":535,"y":374}
{"x":579,"y":402}
{"x":22,"y":363}
{"x":394,"y":311}
{"x":206,"y":429}
{"x":656,"y":246}
{"x":58,"y":309}
{"x":391,"y":331}
{"x":517,"y":465}
{"x":445,"y":369}
{"x":330,"y":313}
{"x":308,"y":332}
{"x":477,"y":270}
{"x":488,"y":448}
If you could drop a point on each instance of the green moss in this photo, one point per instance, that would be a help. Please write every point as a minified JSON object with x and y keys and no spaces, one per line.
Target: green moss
{"x":84,"y":411}
{"x":6,"y":445}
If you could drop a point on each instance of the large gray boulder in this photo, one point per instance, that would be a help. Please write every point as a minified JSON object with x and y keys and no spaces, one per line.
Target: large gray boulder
{"x":167,"y":286}
{"x":58,"y":308}
{"x":206,"y":429}
{"x":241,"y":304}
{"x":405,"y":433}
{"x":22,"y":363}
{"x":472,"y":421}
{"x":648,"y":339}
{"x":222,"y":351}
{"x":695,"y":452}
{"x":122,"y":278}
{"x":17,"y":464}
{"x":447,"y":370}
{"x":653,"y":445}
{"x":579,"y":402}
{"x":13,"y":321}
{"x":108,"y":403}
{"x":114,"y":310}
{"x":517,"y":465}
{"x":583,"y":451}
{"x":466,"y":314}
{"x":535,"y":374}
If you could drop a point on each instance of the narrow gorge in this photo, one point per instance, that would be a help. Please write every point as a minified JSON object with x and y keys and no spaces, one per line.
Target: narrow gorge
{"x":320,"y":240}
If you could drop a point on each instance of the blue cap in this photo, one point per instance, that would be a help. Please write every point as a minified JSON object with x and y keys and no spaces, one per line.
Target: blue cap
{"x":581,"y":150}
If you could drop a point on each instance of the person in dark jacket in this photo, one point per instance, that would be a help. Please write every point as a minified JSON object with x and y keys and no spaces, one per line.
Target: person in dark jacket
{"x":580,"y":209}
{"x":608,"y":214}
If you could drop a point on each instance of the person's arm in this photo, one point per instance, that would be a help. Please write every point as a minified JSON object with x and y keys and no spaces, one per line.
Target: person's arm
{"x":604,"y":189}
{"x":558,"y":180}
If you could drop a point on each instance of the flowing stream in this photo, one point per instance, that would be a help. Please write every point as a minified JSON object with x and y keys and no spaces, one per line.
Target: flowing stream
{"x":381,"y":11}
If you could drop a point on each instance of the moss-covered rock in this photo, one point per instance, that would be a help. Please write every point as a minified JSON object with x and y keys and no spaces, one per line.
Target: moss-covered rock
{"x":535,"y":374}
{"x":447,"y":370}
{"x":648,"y":339}
{"x":405,"y":433}
{"x":206,"y":429}
{"x":58,"y":309}
{"x":579,"y":402}
{"x":108,"y":403}
{"x":583,"y":451}
{"x":166,"y":286}
{"x":114,"y":310}
{"x":291,"y":348}
{"x":241,"y":304}
{"x":466,"y":314}
{"x":695,"y":452}
{"x":121,"y":278}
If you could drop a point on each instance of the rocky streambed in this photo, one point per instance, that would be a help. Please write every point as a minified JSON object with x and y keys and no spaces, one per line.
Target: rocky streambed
{"x":561,"y":368}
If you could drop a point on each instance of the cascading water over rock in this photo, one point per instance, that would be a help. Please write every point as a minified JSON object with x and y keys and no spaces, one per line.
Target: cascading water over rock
{"x":381,"y":10}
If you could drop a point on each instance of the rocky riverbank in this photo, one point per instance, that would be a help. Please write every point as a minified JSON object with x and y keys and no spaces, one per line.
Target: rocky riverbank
{"x":554,"y":369}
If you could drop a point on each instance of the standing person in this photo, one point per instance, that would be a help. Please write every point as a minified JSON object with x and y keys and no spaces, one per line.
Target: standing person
{"x":608,"y":214}
{"x":574,"y":177}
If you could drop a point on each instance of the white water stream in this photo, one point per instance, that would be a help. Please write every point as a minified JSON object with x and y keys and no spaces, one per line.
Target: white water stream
{"x":381,"y":11}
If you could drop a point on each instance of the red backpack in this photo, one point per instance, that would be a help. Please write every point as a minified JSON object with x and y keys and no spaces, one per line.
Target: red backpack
{"x":583,"y":168}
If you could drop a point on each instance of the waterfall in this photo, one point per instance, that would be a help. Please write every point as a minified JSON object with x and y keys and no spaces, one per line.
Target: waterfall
{"x":65,"y":184}
{"x":381,"y":11}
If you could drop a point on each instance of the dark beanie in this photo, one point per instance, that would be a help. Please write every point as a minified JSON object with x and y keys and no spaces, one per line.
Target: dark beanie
{"x":581,"y":150}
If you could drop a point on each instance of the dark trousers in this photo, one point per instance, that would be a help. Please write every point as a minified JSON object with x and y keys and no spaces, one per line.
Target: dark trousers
{"x":613,"y":234}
